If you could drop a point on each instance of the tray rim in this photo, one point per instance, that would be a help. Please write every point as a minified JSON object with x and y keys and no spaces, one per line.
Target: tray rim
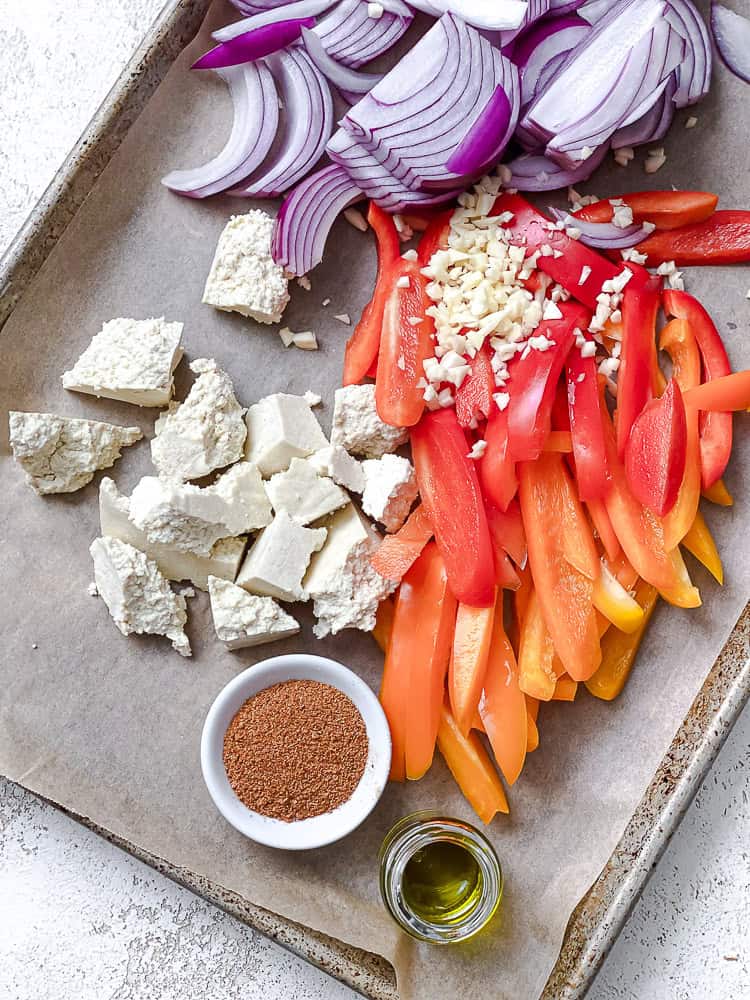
{"x":599,"y":917}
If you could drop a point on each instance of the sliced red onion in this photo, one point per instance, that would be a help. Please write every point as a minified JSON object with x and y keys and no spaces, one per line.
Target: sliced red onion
{"x":535,"y":10}
{"x":339,"y":75}
{"x":308,"y":121}
{"x":694,"y":73}
{"x":254,"y":44}
{"x":539,"y":173}
{"x":256,"y":6}
{"x":545,"y":42}
{"x":500,"y":15}
{"x":256,"y":119}
{"x":290,"y":11}
{"x":350,"y":36}
{"x":604,"y":235}
{"x":594,"y":10}
{"x":731,"y":33}
{"x":479,"y":146}
{"x":565,"y":6}
{"x":652,"y":126}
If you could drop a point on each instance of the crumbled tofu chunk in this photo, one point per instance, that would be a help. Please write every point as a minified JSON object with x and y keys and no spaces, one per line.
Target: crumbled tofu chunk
{"x":390,"y":490}
{"x":278,"y":561}
{"x":303,"y":494}
{"x":224,"y":560}
{"x":279,"y":428}
{"x":345,"y":589}
{"x":242,"y":619}
{"x":357,"y":426}
{"x":244,"y":277}
{"x":136,"y":593}
{"x":193,"y":519}
{"x":336,"y":463}
{"x":131,"y":360}
{"x":61,"y":454}
{"x":204,"y":433}
{"x":305,"y":340}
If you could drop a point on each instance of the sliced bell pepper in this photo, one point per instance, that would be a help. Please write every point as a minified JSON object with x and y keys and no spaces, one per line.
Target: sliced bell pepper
{"x":533,"y":383}
{"x":678,"y":341}
{"x":613,"y":601}
{"x":656,"y":452}
{"x":397,"y":552}
{"x":537,"y":674}
{"x":505,"y":575}
{"x":404,"y":346}
{"x":362,"y":347}
{"x":520,"y":603}
{"x":718,"y":494}
{"x":533,"y":230}
{"x":435,"y":236}
{"x":497,"y":470}
{"x":665,"y":209}
{"x":715,"y":428}
{"x":638,"y":359}
{"x":565,"y":689}
{"x":700,"y":543}
{"x":502,"y":706}
{"x":416,"y":664}
{"x":556,"y":530}
{"x":722,"y":239}
{"x":619,"y":649}
{"x":603,"y":527}
{"x":532,"y":735}
{"x":468,"y":665}
{"x":452,"y":498}
{"x":470,"y":765}
{"x":725,"y":394}
{"x":560,"y":441}
{"x":474,"y":396}
{"x":384,"y":623}
{"x":584,"y":402}
{"x":532,"y":706}
{"x":506,"y":528}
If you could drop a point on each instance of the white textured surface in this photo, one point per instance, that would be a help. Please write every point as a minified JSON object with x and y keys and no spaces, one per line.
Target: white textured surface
{"x":80,"y":919}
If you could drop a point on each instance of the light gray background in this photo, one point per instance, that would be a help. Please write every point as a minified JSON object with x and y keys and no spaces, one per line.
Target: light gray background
{"x":79,"y":918}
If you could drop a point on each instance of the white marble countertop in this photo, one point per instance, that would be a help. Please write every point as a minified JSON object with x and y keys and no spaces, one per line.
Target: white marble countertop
{"x":81,"y":919}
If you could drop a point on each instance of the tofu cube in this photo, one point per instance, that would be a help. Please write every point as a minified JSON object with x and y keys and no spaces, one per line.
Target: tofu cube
{"x":390,"y":490}
{"x":336,"y":463}
{"x":278,"y":560}
{"x":357,"y":426}
{"x":279,"y":428}
{"x":303,"y":494}
{"x":242,"y":619}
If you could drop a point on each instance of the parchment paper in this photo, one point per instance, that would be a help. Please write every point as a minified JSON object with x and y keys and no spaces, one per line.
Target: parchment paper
{"x":110,"y":726}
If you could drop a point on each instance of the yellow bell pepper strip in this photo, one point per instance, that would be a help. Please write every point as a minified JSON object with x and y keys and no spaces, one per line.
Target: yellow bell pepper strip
{"x":700,"y":543}
{"x":469,"y":657}
{"x":384,"y":623}
{"x":603,"y":527}
{"x":558,"y":537}
{"x":728,"y":393}
{"x":678,"y":341}
{"x":502,"y":706}
{"x":619,"y":649}
{"x":656,"y":451}
{"x":397,"y":553}
{"x":537,"y":667}
{"x":718,"y":494}
{"x":640,"y":306}
{"x":615,"y":603}
{"x":565,"y":689}
{"x":470,"y":765}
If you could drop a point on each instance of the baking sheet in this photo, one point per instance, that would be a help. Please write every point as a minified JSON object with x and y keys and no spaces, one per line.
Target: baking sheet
{"x":109,"y":727}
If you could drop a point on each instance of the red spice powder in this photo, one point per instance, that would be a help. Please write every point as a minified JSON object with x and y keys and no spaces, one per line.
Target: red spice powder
{"x":295,"y":750}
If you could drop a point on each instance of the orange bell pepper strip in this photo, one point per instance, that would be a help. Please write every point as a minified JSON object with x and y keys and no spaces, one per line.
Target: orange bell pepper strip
{"x":509,"y":527}
{"x":724,"y":394}
{"x":638,"y":358}
{"x":603,"y":527}
{"x":416,"y":664}
{"x":565,"y":689}
{"x":613,"y":601}
{"x":724,"y":238}
{"x":532,"y":735}
{"x":469,"y":656}
{"x":718,"y":494}
{"x":505,"y":575}
{"x":403,"y":348}
{"x":537,"y":671}
{"x":502,"y":706}
{"x":665,"y":209}
{"x":362,"y":347}
{"x":497,"y":470}
{"x":619,"y":649}
{"x":700,"y":543}
{"x":384,"y":623}
{"x":470,"y":765}
{"x":397,"y":553}
{"x":476,"y":722}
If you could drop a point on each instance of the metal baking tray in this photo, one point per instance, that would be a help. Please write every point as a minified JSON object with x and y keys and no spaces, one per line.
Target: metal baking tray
{"x":599,"y":917}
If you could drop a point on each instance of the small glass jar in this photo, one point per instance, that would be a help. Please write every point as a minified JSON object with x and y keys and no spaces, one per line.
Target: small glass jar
{"x":440,"y":878}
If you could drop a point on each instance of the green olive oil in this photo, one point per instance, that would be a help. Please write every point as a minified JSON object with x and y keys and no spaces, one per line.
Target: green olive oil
{"x":442,"y":882}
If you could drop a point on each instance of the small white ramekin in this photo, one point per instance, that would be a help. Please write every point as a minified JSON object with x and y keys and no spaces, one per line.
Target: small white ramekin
{"x":319,"y":830}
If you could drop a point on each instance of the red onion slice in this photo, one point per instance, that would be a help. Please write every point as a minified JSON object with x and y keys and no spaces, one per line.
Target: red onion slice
{"x":535,"y":10}
{"x":255,"y":44}
{"x":694,"y":73}
{"x":480,"y":144}
{"x":604,"y":235}
{"x":352,"y":37}
{"x":290,"y":11}
{"x":543,"y":43}
{"x":565,"y":6}
{"x":340,"y":76}
{"x":652,"y":126}
{"x":539,"y":173}
{"x":731,"y":33}
{"x":500,"y":15}
{"x":256,"y":118}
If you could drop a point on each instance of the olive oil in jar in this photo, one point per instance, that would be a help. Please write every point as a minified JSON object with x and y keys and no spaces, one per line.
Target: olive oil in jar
{"x":441,"y":882}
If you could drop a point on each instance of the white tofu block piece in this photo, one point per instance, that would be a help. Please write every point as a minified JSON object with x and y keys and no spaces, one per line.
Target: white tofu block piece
{"x":278,"y":560}
{"x":303,"y":494}
{"x":61,"y":454}
{"x":390,"y":490}
{"x":131,"y":360}
{"x":204,"y":433}
{"x":242,"y":619}
{"x":244,"y":277}
{"x":193,"y":519}
{"x":279,"y":428}
{"x":137,"y":594}
{"x":223,"y":561}
{"x":345,"y":589}
{"x":357,"y":426}
{"x":336,"y":463}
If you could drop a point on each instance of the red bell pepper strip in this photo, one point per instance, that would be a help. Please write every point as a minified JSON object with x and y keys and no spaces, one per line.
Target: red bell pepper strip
{"x":722,"y":239}
{"x":533,"y":383}
{"x":507,"y":528}
{"x":449,"y":486}
{"x":505,"y":575}
{"x":362,"y":347}
{"x":559,"y":441}
{"x":715,"y":428}
{"x":497,"y":470}
{"x":725,"y":394}
{"x":435,"y":236}
{"x":638,"y":359}
{"x":665,"y":209}
{"x":397,"y":553}
{"x":474,"y":396}
{"x":529,"y":228}
{"x":584,"y":402}
{"x":656,"y":451}
{"x":403,"y":348}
